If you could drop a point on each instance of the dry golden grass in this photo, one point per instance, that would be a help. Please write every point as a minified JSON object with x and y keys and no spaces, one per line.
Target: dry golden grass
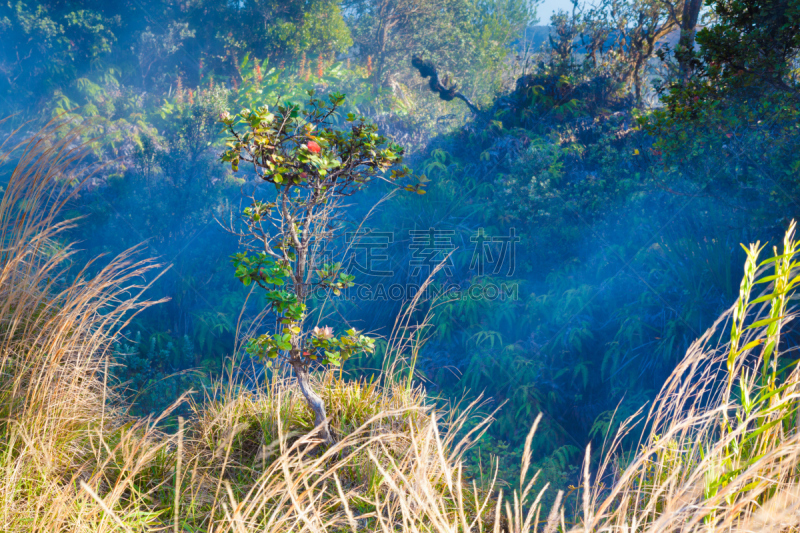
{"x":54,"y":344}
{"x":714,"y":459}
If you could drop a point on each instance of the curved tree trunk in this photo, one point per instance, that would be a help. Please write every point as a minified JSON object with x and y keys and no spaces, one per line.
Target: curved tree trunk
{"x":314,"y":402}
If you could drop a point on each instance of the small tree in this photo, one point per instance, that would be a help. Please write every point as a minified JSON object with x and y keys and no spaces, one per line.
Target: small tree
{"x":313,"y":167}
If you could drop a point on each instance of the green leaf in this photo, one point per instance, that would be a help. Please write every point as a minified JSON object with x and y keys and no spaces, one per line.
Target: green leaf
{"x":765,"y":322}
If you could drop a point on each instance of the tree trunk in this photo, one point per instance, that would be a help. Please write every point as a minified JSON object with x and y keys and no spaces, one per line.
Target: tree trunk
{"x":637,"y":81}
{"x":314,"y":402}
{"x":691,"y":12}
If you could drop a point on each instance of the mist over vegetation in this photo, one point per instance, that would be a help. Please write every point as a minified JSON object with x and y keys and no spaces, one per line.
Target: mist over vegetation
{"x":570,"y":219}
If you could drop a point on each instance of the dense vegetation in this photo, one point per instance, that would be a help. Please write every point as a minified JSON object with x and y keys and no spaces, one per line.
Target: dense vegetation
{"x":577,"y":226}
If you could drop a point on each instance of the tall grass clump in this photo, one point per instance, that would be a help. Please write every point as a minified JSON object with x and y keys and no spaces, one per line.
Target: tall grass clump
{"x":55,"y":326}
{"x":722,"y":452}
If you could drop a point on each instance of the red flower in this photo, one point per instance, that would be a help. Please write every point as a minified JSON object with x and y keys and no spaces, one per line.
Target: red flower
{"x":313,"y":147}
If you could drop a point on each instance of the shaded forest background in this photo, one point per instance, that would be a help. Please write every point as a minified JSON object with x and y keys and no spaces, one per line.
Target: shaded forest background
{"x":629,"y":163}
